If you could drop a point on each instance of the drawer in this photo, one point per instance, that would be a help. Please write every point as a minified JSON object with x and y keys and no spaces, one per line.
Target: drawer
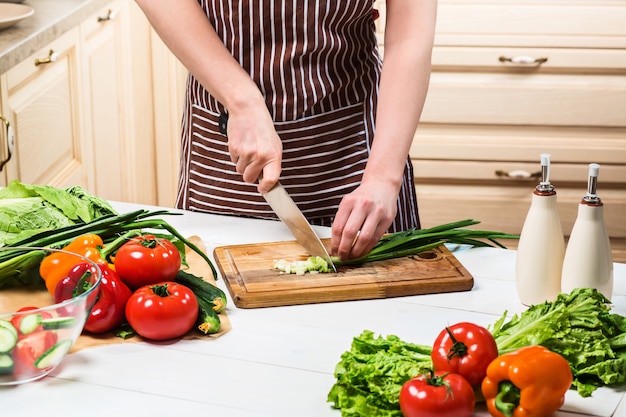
{"x":62,"y":53}
{"x":520,"y":143}
{"x":518,"y":60}
{"x":528,"y":174}
{"x":532,"y":23}
{"x":526,"y":99}
{"x":504,"y":208}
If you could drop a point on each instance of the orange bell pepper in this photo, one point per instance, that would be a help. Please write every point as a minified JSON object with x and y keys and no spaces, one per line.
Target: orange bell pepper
{"x":529,"y":382}
{"x":55,"y":266}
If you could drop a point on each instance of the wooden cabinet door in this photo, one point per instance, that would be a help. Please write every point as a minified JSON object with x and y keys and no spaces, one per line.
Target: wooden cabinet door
{"x":102,"y":89}
{"x":42,"y":105}
{"x":118,"y":105}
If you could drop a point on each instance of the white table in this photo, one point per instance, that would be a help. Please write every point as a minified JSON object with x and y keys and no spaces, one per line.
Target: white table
{"x":275,"y":362}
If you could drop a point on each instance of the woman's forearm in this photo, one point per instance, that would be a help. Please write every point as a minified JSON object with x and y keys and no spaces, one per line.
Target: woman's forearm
{"x":187,"y":32}
{"x":404,"y":83}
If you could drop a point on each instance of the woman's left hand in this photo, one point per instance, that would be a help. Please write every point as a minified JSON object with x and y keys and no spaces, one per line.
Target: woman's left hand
{"x":363,"y":217}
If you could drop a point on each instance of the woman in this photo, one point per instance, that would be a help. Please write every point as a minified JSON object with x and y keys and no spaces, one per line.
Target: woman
{"x":301,"y":93}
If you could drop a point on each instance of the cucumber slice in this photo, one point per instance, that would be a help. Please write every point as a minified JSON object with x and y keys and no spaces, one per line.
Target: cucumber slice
{"x":6,"y":364}
{"x":9,"y":326}
{"x":8,"y":339}
{"x":58,"y":323}
{"x":29,"y":323}
{"x":54,"y":355}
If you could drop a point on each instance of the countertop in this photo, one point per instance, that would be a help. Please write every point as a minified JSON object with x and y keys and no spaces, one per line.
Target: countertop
{"x":51,"y":19}
{"x":274,"y":362}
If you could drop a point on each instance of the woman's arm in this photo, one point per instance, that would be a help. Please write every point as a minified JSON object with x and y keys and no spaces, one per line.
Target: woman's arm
{"x":371,"y":208}
{"x":253,"y":143}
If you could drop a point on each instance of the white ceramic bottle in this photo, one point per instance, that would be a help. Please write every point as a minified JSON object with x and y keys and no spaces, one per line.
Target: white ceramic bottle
{"x":541,"y":247}
{"x":588,"y":261}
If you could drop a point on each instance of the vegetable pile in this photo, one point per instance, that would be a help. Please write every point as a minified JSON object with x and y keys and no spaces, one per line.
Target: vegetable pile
{"x":404,"y":243}
{"x":574,"y":342}
{"x":144,"y":288}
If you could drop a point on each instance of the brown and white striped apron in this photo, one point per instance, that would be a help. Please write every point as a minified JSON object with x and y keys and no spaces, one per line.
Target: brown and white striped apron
{"x":318,"y":66}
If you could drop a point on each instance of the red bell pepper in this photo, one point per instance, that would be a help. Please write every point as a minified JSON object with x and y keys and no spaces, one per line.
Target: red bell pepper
{"x":109,"y":310}
{"x":79,"y":279}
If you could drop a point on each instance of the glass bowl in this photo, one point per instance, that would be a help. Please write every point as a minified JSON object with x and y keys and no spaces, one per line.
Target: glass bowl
{"x":35,"y":340}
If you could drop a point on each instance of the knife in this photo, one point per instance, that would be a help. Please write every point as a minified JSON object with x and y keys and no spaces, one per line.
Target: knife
{"x":292,"y":217}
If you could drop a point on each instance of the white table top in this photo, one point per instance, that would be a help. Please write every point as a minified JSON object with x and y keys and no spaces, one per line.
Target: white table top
{"x":275,"y":362}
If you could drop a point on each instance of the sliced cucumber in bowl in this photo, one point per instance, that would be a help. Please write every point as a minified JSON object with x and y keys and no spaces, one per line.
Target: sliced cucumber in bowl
{"x":54,"y":355}
{"x":8,"y":336}
{"x":58,"y":323}
{"x":7,"y":364}
{"x":30,"y":323}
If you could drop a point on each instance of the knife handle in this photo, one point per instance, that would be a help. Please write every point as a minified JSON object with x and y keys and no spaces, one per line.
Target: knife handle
{"x":223,"y":123}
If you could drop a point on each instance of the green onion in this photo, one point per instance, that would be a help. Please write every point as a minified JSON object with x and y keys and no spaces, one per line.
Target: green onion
{"x":414,"y":241}
{"x":406,"y":243}
{"x":113,"y":229}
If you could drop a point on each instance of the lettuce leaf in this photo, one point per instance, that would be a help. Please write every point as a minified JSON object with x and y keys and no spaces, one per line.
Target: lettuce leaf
{"x":27,"y":209}
{"x":371,"y":374}
{"x":581,"y":328}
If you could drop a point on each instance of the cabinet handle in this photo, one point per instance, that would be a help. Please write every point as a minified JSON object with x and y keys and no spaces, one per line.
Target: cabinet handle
{"x":111,"y":15}
{"x":518,"y":174}
{"x":523,"y":60}
{"x":52,"y":56}
{"x":7,"y":131}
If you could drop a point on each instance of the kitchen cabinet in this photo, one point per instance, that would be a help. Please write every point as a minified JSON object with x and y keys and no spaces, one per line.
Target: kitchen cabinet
{"x":77,"y":108}
{"x":41,"y":101}
{"x":116,"y":123}
{"x":513,"y":79}
{"x":169,"y":94}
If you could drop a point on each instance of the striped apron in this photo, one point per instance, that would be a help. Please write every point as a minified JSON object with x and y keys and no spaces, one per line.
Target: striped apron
{"x":317,"y":64}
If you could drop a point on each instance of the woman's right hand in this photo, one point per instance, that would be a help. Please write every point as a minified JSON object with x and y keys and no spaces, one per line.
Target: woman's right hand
{"x":255,"y":147}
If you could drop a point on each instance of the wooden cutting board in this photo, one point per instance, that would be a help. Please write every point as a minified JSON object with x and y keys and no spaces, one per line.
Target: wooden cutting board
{"x":252,"y":282}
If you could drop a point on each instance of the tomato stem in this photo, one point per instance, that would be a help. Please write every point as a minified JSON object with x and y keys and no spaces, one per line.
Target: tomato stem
{"x":160,"y":290}
{"x":458,"y":348}
{"x":149,"y":243}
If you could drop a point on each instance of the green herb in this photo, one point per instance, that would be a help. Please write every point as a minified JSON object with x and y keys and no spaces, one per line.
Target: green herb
{"x":580,"y":327}
{"x":124,"y":331}
{"x":371,"y":374}
{"x":405,"y":243}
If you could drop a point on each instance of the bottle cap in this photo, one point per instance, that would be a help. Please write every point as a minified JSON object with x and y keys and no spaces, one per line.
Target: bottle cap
{"x":544,"y":185}
{"x":592,"y":184}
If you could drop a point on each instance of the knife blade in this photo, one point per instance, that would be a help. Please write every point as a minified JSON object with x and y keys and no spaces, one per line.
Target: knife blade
{"x":289,"y":213}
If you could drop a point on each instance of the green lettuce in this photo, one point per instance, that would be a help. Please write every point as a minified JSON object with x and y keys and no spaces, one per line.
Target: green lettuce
{"x":26,"y":210}
{"x":371,"y":374}
{"x":581,"y":328}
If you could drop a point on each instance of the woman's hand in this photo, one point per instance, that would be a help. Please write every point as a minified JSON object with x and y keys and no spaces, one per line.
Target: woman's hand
{"x":255,"y":147}
{"x":363,"y":217}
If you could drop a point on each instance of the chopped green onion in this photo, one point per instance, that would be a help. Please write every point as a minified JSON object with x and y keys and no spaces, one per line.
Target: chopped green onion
{"x":406,"y":243}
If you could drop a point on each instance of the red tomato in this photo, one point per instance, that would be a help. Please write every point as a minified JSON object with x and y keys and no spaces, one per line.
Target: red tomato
{"x":162,"y":311}
{"x":147,"y":260}
{"x":466,"y":349}
{"x":440,"y":394}
{"x":31,"y":347}
{"x":17,"y":319}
